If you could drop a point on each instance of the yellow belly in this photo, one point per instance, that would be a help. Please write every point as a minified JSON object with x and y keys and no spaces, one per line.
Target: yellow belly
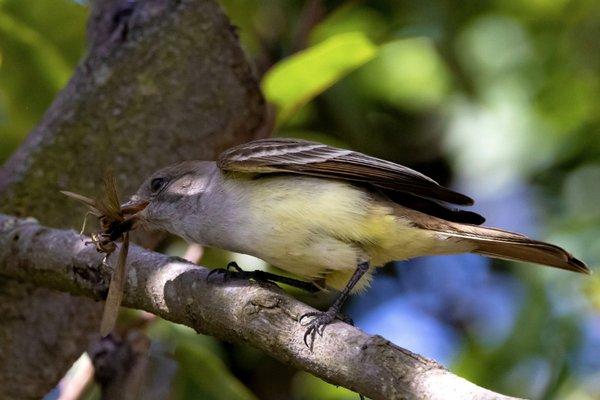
{"x":321,"y":229}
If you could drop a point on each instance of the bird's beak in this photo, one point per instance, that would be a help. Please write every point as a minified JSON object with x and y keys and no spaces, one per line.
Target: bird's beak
{"x":134,"y":205}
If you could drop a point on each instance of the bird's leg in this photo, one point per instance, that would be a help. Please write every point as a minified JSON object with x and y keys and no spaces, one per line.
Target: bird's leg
{"x":321,"y":319}
{"x":233,"y":269}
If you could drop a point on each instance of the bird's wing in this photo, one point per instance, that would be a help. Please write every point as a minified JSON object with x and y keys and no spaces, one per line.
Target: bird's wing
{"x":316,"y":159}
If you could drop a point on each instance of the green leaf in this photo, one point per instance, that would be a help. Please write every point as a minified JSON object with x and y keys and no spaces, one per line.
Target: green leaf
{"x":296,"y":80}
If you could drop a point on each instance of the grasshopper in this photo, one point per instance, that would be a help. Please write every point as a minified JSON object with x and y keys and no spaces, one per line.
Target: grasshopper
{"x":115,"y":223}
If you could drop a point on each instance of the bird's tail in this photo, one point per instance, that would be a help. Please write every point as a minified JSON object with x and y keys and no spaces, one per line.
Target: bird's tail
{"x":513,"y":246}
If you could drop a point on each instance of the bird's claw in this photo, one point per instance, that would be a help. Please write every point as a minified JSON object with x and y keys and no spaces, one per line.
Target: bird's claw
{"x":233,"y":265}
{"x":316,"y":326}
{"x":231,"y":269}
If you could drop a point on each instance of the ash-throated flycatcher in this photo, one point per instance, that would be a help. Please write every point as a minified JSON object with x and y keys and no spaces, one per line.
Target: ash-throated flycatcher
{"x":327,"y":215}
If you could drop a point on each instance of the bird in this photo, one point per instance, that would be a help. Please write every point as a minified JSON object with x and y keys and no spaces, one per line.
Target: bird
{"x":329,"y":216}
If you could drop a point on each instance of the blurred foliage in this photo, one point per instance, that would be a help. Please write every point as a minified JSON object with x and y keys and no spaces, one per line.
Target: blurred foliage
{"x":201,"y":372}
{"x":40,"y":45}
{"x":500,"y":98}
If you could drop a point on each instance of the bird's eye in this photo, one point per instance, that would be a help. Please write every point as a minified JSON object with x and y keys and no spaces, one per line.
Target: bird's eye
{"x":157,"y":184}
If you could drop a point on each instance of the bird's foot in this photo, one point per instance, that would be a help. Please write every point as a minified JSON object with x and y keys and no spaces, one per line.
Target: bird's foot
{"x":233,"y":270}
{"x":316,"y":325}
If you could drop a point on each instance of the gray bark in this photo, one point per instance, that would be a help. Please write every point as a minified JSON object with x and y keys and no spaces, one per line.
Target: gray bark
{"x":238,"y":311}
{"x":164,"y":81}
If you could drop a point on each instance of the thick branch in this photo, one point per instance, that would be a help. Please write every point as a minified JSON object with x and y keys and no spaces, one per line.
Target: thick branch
{"x":238,"y":311}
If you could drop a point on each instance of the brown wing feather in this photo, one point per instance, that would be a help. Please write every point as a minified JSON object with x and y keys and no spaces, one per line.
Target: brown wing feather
{"x":316,"y":159}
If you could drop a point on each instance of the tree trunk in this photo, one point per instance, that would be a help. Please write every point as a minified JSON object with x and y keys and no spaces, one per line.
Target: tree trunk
{"x":164,"y":81}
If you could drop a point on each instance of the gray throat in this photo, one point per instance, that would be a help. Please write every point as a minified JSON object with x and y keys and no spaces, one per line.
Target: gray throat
{"x":217,"y":213}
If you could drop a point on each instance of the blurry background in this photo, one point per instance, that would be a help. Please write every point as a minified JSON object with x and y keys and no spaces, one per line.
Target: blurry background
{"x":499,"y":99}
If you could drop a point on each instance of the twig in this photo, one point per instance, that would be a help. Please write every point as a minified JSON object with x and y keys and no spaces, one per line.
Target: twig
{"x":77,"y":381}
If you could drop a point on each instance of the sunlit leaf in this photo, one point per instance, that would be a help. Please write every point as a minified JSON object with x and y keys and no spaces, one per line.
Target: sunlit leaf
{"x":296,"y":80}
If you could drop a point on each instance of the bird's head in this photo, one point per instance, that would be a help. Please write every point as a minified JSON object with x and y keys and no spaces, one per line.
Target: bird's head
{"x":170,"y":194}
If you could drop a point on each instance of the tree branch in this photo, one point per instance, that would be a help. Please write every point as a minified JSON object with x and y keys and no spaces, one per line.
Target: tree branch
{"x":237,"y":311}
